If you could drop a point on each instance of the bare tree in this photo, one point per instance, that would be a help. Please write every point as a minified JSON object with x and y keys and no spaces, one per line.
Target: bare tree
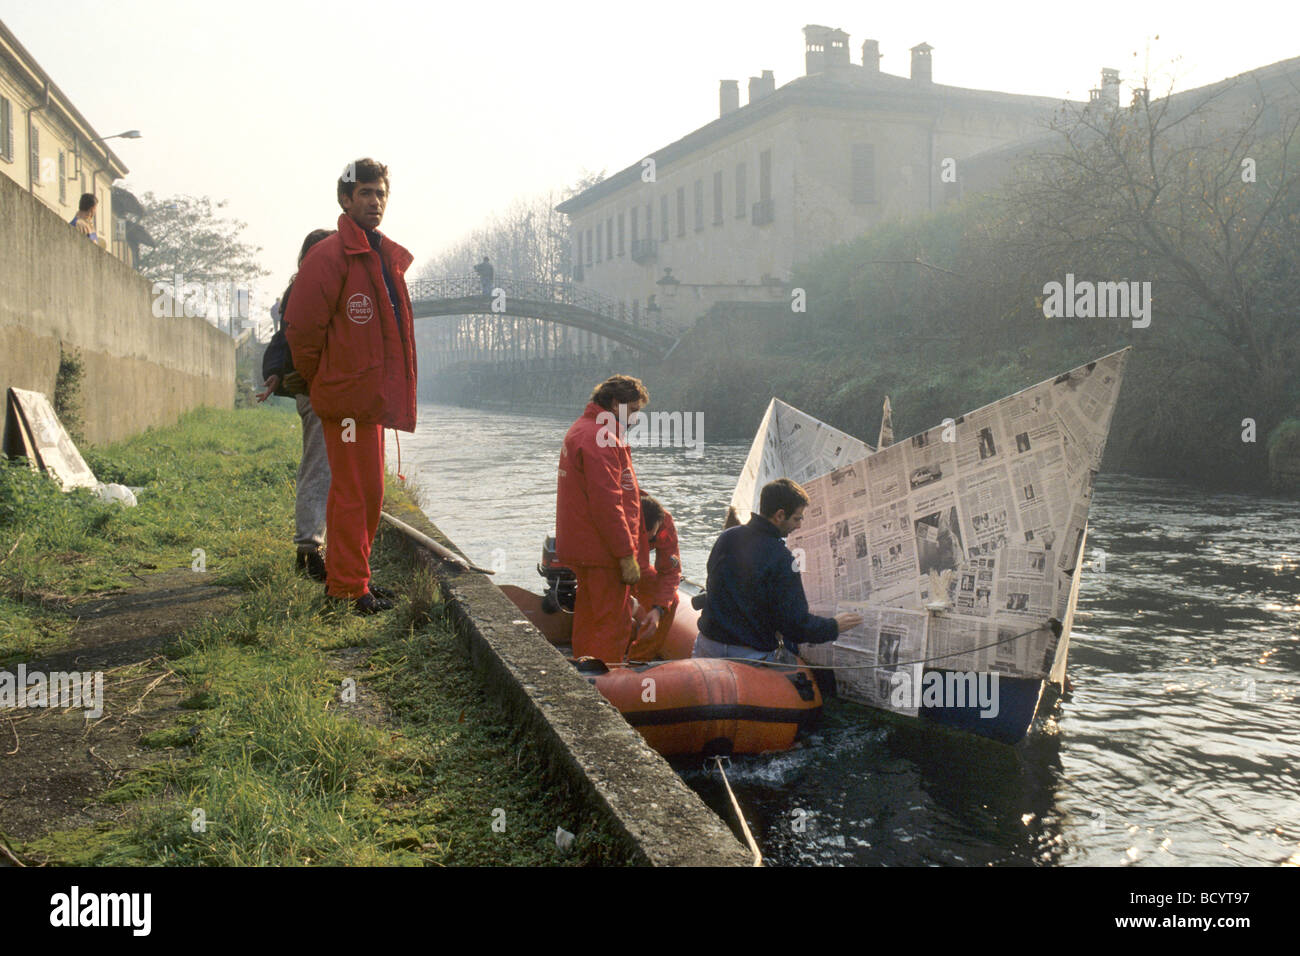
{"x":1198,"y":193}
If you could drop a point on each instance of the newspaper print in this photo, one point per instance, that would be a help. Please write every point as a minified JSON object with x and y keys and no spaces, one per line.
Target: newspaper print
{"x":788,"y":435}
{"x":872,"y":661}
{"x":997,"y":514}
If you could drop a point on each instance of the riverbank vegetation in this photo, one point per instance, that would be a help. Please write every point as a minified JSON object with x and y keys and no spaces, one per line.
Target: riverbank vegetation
{"x":1199,"y":203}
{"x":300,"y":733}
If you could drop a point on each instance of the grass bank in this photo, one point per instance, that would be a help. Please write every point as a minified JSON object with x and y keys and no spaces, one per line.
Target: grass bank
{"x":301,"y":734}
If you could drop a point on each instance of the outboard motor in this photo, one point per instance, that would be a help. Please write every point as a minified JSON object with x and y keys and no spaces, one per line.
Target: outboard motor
{"x":561,"y":582}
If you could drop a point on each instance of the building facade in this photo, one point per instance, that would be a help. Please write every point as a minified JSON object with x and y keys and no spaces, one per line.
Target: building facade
{"x":726,"y":212}
{"x":49,"y":149}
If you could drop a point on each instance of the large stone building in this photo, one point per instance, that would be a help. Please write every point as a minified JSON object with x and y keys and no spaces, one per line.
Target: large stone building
{"x":50,"y":149}
{"x":725,"y":212}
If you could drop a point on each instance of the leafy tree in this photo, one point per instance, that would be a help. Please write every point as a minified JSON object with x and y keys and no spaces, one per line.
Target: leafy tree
{"x":193,"y":241}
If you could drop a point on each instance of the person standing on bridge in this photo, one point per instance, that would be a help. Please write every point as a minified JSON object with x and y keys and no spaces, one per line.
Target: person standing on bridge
{"x":352,"y":337}
{"x":485,"y":273}
{"x":598,"y":518}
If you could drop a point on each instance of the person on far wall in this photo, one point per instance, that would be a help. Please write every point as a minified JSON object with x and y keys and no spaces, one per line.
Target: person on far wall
{"x":350,"y":331}
{"x":84,"y":220}
{"x":598,"y":519}
{"x":485,"y":274}
{"x":314,"y":468}
{"x":656,"y":592}
{"x":753,"y":591}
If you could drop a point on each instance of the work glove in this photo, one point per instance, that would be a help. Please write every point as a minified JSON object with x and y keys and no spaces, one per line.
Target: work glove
{"x":295,"y":384}
{"x":629,"y":570}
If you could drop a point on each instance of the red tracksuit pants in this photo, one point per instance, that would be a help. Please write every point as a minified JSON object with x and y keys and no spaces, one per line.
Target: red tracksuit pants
{"x":352,"y":508}
{"x":602,"y":614}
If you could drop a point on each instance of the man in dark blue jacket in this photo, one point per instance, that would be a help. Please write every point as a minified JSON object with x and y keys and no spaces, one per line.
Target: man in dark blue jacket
{"x":754,"y":591}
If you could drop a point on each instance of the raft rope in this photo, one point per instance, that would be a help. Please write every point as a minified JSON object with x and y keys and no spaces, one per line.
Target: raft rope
{"x":859,"y":667}
{"x":744,"y":827}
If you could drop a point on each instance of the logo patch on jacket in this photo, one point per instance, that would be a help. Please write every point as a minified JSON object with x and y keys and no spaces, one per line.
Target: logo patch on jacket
{"x":360,"y":309}
{"x":629,"y":483}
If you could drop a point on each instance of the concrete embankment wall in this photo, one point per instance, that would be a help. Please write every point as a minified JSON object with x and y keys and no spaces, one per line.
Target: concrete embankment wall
{"x":57,"y":288}
{"x":585,"y":741}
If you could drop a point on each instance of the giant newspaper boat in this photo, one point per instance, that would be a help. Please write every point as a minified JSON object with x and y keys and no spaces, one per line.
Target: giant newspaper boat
{"x":961,"y":547}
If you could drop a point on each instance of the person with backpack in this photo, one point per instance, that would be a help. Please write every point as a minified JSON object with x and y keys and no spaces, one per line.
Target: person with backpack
{"x":314,"y":469}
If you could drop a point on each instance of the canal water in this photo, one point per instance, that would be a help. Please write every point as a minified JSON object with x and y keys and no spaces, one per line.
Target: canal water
{"x":1179,"y":745}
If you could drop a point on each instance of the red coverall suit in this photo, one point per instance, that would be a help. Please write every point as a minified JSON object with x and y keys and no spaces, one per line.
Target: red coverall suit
{"x":358,"y":358}
{"x":658,"y":586}
{"x":598,"y":522}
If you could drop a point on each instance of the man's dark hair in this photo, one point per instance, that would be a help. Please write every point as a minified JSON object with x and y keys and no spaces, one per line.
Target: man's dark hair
{"x":87,"y":203}
{"x":781,"y":495}
{"x":362,"y":171}
{"x":652,"y":512}
{"x":619,"y":390}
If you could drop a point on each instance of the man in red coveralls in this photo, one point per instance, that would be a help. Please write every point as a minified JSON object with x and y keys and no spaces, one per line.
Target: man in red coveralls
{"x":598,"y":518}
{"x":656,"y":592}
{"x":352,"y":339}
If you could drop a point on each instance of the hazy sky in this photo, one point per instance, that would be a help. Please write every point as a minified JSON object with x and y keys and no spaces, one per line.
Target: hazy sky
{"x":262,"y":103}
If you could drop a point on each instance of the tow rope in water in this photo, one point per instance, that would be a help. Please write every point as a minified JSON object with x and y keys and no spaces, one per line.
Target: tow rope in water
{"x":744,"y":827}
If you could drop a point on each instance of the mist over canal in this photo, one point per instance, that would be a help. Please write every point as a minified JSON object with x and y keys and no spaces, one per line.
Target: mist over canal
{"x":1177,"y":747}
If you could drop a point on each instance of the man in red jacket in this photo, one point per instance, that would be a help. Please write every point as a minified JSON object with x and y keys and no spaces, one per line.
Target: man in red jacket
{"x":598,"y":518}
{"x":351,"y":334}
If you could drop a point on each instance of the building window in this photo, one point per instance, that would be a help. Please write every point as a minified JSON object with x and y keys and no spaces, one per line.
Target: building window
{"x":34,"y":156}
{"x":589,"y":244}
{"x":632,"y":224}
{"x":649,"y":221}
{"x":864,"y":173}
{"x":740,"y":191}
{"x":717,"y":198}
{"x":63,"y":178}
{"x":609,"y":238}
{"x":6,"y":130}
{"x":600,"y":240}
{"x":620,"y":233}
{"x":765,"y":175}
{"x":663,"y":217}
{"x":699,"y":204}
{"x":681,"y":210}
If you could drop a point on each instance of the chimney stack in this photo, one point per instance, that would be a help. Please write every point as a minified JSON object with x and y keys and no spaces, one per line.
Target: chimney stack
{"x":728,"y":97}
{"x":871,"y":55}
{"x":761,"y":86}
{"x":921,"y":65}
{"x":825,"y":48}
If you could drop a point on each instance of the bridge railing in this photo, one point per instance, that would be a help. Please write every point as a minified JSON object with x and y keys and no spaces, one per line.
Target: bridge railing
{"x":536,"y":290}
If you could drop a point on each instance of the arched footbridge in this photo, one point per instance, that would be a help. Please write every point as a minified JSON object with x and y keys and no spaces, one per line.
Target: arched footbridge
{"x":560,"y":302}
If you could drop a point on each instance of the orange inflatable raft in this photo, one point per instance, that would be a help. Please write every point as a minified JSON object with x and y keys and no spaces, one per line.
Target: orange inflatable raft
{"x":710,"y":706}
{"x":686,"y":705}
{"x":682,"y":625}
{"x":681,"y":705}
